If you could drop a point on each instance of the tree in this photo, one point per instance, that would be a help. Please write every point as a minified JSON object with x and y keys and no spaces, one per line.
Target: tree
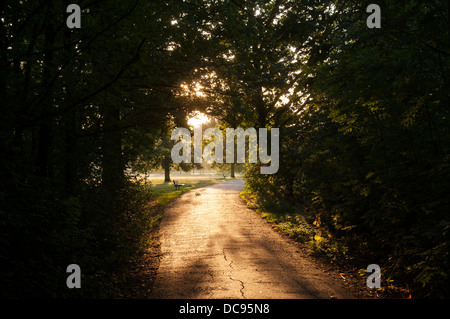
{"x":368,"y":152}
{"x":75,"y":103}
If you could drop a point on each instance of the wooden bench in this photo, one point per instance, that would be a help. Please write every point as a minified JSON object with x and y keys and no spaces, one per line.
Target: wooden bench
{"x":175,"y":183}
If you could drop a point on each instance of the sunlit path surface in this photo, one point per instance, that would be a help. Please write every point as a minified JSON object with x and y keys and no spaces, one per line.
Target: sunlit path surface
{"x":213,"y":246}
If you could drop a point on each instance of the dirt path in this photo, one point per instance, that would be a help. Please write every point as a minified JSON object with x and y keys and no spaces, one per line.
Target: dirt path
{"x":213,"y":246}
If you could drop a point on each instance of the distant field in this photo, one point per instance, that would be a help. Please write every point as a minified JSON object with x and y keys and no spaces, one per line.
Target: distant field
{"x":197,"y":174}
{"x":164,"y":192}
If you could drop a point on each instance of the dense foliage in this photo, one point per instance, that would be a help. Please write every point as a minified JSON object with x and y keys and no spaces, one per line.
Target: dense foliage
{"x":369,"y":154}
{"x":78,"y":106}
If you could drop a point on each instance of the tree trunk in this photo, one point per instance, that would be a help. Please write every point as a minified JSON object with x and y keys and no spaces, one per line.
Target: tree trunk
{"x":71,"y":154}
{"x":166,"y":164}
{"x":113,"y":165}
{"x":45,"y":129}
{"x":167,"y":174}
{"x":44,"y":145}
{"x":233,"y":164}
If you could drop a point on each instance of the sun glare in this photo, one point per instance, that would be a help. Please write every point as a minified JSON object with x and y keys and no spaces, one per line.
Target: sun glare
{"x":197,"y":119}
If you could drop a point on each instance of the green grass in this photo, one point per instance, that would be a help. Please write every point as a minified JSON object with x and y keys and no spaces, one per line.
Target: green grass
{"x":165,"y":192}
{"x":298,"y":224}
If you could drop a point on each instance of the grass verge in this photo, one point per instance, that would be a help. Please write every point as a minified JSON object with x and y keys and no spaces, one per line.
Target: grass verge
{"x":302,"y":226}
{"x":165,"y":192}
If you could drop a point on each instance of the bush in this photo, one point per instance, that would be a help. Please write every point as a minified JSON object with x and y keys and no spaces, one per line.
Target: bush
{"x":42,"y":234}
